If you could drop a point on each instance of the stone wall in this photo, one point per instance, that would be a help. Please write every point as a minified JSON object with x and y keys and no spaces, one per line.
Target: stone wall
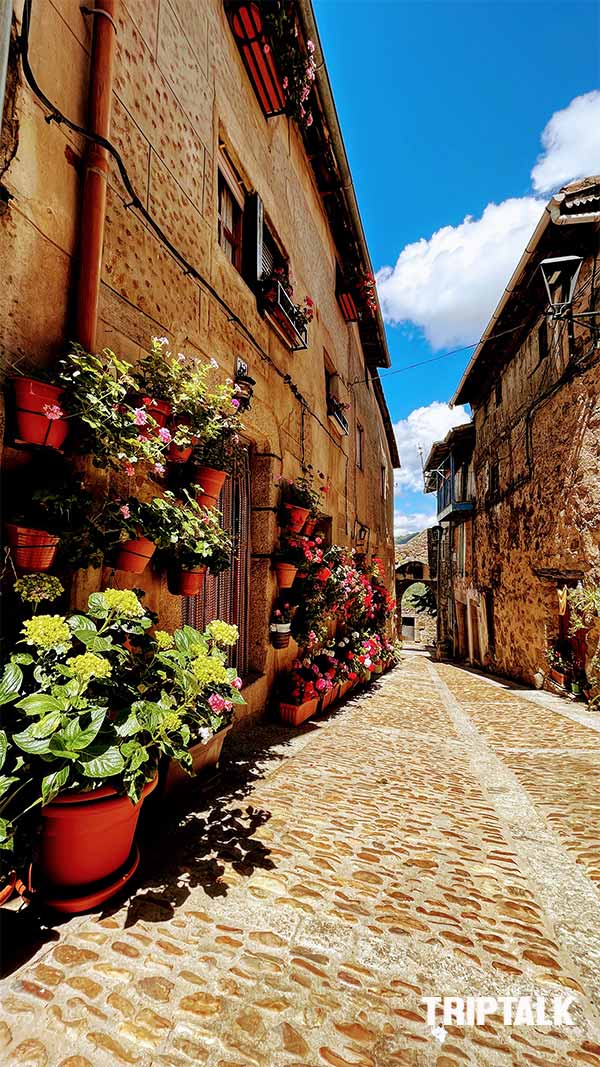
{"x":542,"y":528}
{"x":180,"y":91}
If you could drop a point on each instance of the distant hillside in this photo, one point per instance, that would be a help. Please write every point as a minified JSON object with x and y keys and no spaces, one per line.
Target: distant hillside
{"x":401,"y":540}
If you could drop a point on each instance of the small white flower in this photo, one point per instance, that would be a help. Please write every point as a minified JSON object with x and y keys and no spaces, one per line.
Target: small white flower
{"x":214,"y":363}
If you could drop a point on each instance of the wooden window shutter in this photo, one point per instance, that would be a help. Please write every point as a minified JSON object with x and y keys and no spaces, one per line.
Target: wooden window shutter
{"x":252,"y":240}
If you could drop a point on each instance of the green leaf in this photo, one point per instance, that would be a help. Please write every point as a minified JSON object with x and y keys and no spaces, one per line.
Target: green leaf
{"x":97,"y":606}
{"x":33,"y":738}
{"x":22,"y":657}
{"x":53,"y":783}
{"x":236,"y":697}
{"x":10,"y":683}
{"x":6,"y":834}
{"x":3,"y":747}
{"x":78,"y":738}
{"x":38,"y":704}
{"x":130,"y":726}
{"x":6,"y":782}
{"x":92,"y":641}
{"x":81,"y":622}
{"x":102,"y":762}
{"x":134,"y":754}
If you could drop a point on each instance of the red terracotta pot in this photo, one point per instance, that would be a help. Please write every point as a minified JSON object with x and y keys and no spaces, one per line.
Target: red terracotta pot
{"x":296,"y":517}
{"x":280,"y":640}
{"x":209,"y":482}
{"x":186,"y":583}
{"x":204,"y":756}
{"x":87,"y":837}
{"x":33,"y":425}
{"x":31,"y":550}
{"x":344,"y":688}
{"x":309,"y":527}
{"x":558,"y":676}
{"x":174,"y":453}
{"x":160,"y":411}
{"x":286,"y":572}
{"x":135,"y":554}
{"x":294,"y":714}
{"x":329,"y":697}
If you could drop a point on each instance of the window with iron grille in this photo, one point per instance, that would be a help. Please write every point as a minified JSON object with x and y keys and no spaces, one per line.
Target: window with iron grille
{"x":225,"y":595}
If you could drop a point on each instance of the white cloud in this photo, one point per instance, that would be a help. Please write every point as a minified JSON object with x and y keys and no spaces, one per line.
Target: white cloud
{"x":571,"y":143}
{"x":421,"y":428}
{"x":449,"y":284}
{"x":412,"y":522}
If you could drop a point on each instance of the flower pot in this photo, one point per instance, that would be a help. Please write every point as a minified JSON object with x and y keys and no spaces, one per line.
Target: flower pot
{"x":86,"y":846}
{"x":295,"y":714}
{"x":296,"y":517}
{"x":557,"y":676}
{"x":345,"y":688}
{"x":378,"y":667}
{"x":31,"y":550}
{"x":178,"y":455}
{"x":209,"y":483}
{"x":286,"y":572}
{"x":329,"y":697}
{"x":135,"y":554}
{"x":280,"y":634}
{"x":185,"y":582}
{"x":204,"y":755}
{"x":309,"y":527}
{"x":160,"y":411}
{"x":32,"y":400}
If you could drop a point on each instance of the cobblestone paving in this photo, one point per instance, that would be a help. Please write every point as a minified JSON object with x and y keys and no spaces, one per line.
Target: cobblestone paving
{"x":432,"y":837}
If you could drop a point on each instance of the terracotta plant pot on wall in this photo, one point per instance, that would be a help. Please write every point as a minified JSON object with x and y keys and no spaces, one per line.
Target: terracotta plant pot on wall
{"x":286,"y":572}
{"x":209,"y":483}
{"x":328,"y":698}
{"x":31,"y":550}
{"x":309,"y":527}
{"x":174,"y":453}
{"x":160,"y":411}
{"x":33,"y":425}
{"x":134,"y":555}
{"x":86,"y":846}
{"x":557,"y":676}
{"x":295,"y":714}
{"x":296,"y":517}
{"x":185,"y":583}
{"x":280,"y":634}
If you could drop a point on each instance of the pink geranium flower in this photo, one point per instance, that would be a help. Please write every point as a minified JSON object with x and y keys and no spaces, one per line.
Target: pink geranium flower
{"x":53,"y":411}
{"x":164,"y":434}
{"x":125,"y":511}
{"x":140,"y":417}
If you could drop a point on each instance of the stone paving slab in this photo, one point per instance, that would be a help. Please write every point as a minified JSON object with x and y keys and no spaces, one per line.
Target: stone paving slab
{"x":295,"y":912}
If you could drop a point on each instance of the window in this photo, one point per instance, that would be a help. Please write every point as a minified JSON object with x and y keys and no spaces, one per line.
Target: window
{"x":542,"y":338}
{"x":225,"y":595}
{"x":498,"y":392}
{"x":230,"y":212}
{"x":360,"y":442}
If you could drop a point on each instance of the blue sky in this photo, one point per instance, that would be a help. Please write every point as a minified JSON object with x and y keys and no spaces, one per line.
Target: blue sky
{"x":443,"y":105}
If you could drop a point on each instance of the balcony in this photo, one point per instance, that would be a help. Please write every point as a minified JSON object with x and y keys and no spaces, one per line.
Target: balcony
{"x":288,"y":317}
{"x":455,"y":498}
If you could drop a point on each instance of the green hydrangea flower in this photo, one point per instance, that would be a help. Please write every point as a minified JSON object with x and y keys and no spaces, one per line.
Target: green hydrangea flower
{"x":123,"y":602}
{"x":163,"y":639}
{"x":171,"y":721}
{"x":208,"y":671}
{"x":88,"y":666}
{"x":222,"y":633}
{"x":33,"y":588}
{"x":47,"y":632}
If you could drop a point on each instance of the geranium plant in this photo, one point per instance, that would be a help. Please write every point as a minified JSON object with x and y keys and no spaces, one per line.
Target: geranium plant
{"x":297,"y":66}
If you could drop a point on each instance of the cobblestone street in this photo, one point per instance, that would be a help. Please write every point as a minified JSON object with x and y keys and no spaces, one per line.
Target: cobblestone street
{"x":435,"y":836}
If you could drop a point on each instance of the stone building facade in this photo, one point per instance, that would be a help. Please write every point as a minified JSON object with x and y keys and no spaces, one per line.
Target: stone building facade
{"x":197,"y":145}
{"x":534,"y":387}
{"x":413,"y":568}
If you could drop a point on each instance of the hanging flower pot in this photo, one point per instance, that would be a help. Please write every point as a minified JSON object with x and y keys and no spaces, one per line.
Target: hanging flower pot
{"x":309,"y":527}
{"x":286,"y":572}
{"x":175,"y":453}
{"x":31,"y":550}
{"x":134,"y":555}
{"x":40,"y":417}
{"x":160,"y":411}
{"x":280,"y":634}
{"x":183,"y":582}
{"x":295,"y":714}
{"x":296,"y":517}
{"x":86,"y":846}
{"x":209,"y":482}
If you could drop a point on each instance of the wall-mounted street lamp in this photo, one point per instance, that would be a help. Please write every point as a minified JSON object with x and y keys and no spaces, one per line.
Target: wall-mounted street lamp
{"x":244,"y":385}
{"x":560,"y":278}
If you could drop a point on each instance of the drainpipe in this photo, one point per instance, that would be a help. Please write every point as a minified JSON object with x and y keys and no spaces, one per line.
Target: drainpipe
{"x":6,"y":10}
{"x":96,"y":167}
